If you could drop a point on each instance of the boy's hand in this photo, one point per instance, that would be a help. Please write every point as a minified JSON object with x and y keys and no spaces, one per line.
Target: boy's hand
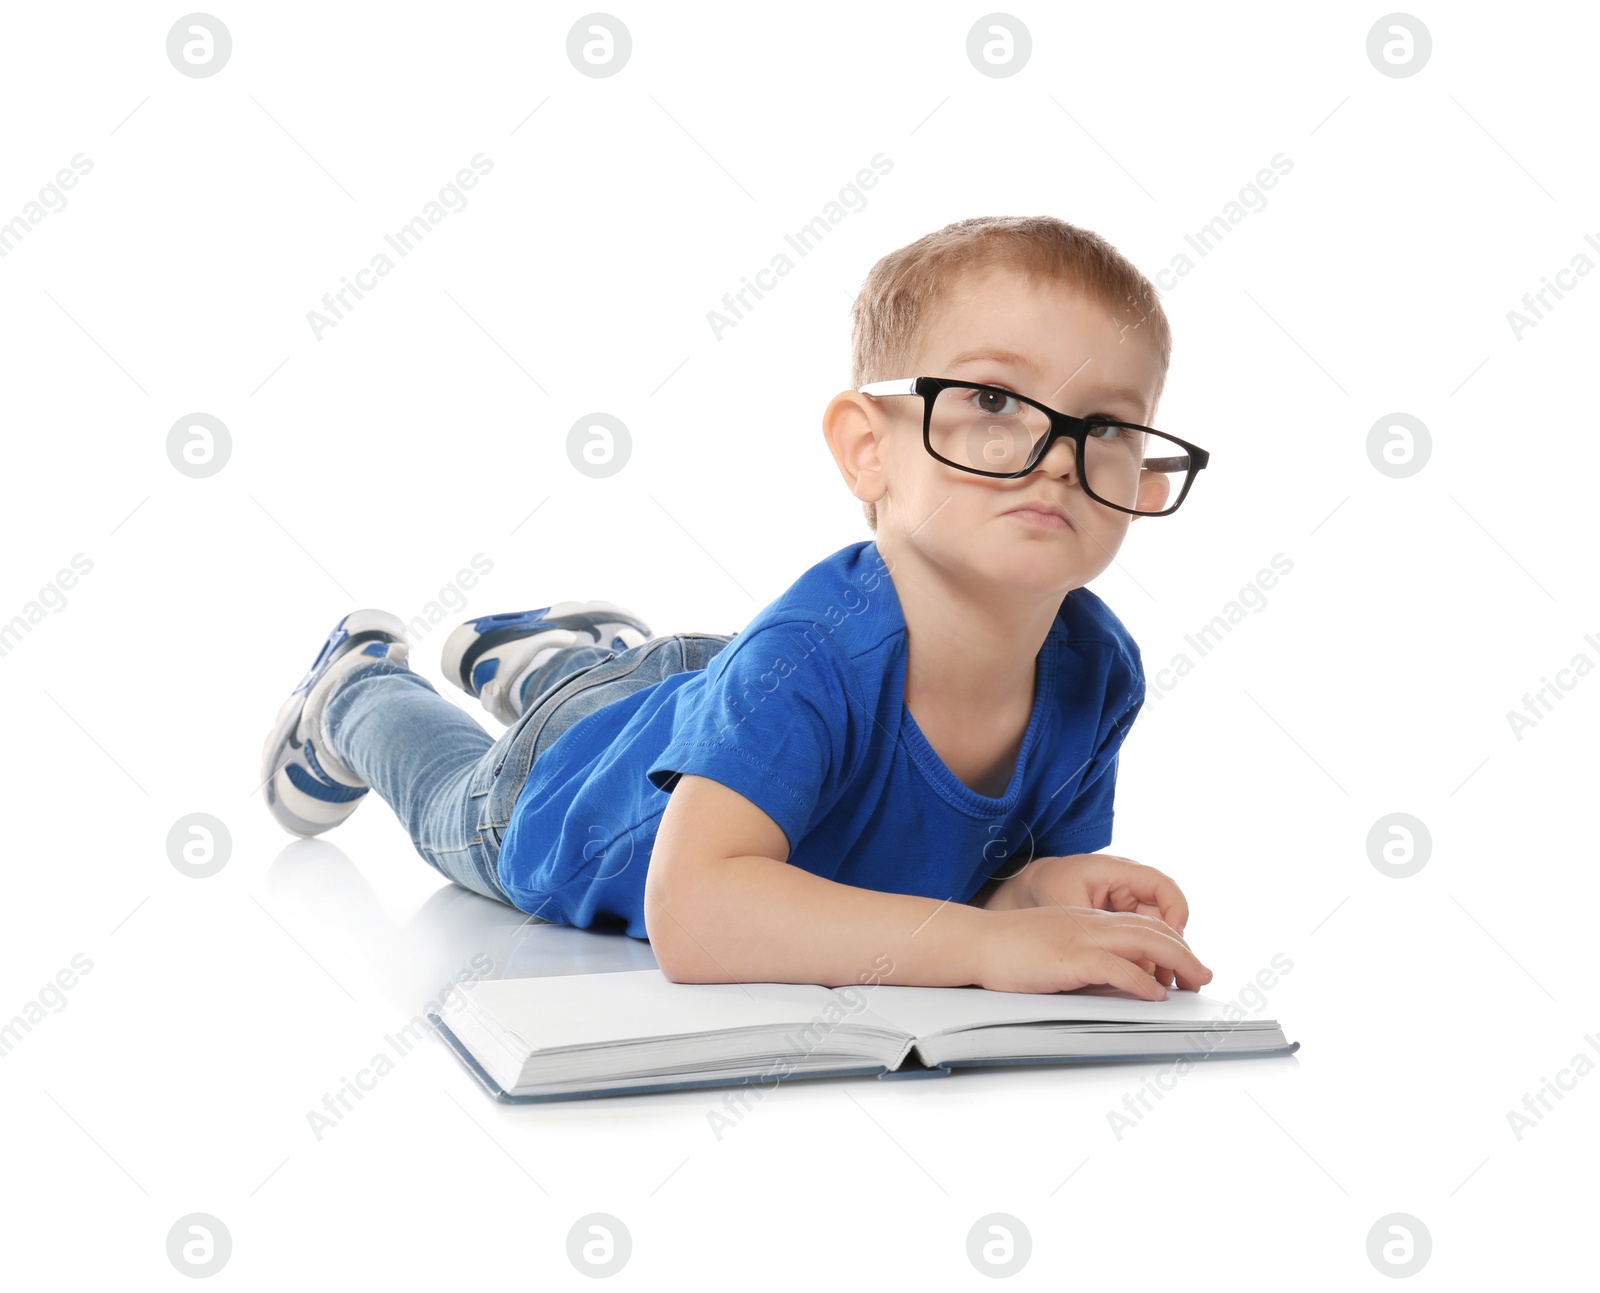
{"x":1059,"y":949}
{"x":1110,"y":883}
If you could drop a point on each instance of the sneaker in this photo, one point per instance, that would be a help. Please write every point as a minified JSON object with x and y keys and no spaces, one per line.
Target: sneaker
{"x":308,"y":789}
{"x":492,"y":658}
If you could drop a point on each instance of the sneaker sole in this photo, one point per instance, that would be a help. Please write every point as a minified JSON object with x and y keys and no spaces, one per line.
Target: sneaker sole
{"x":468,"y":643}
{"x":298,"y":810}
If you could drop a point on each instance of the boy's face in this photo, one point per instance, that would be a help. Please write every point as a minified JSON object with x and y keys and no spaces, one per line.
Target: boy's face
{"x":1042,"y":340}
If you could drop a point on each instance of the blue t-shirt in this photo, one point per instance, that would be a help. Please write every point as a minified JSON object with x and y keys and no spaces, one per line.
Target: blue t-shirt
{"x":803,"y":713}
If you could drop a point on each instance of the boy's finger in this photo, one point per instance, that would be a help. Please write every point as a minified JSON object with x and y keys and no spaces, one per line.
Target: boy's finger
{"x":1141,"y":943}
{"x":1151,"y":921}
{"x":1162,"y":976}
{"x":1153,"y":888}
{"x":1122,"y":973}
{"x":1167,"y":896}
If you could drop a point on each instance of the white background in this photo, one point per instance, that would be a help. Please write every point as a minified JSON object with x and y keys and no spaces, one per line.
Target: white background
{"x":369,"y":466}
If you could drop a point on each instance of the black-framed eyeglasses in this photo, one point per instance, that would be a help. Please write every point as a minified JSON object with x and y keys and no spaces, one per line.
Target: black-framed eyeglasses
{"x":992,"y":431}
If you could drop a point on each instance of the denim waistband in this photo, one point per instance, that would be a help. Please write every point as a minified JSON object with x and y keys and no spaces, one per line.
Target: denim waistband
{"x":498,"y":782}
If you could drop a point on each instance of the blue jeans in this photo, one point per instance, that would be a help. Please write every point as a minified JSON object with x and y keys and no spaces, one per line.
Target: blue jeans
{"x":452,"y":786}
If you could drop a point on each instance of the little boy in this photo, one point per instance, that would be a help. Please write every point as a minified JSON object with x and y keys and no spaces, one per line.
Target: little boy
{"x":902,"y":767}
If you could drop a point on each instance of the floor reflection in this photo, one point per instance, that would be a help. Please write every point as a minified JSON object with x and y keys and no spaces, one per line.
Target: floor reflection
{"x":456,"y":933}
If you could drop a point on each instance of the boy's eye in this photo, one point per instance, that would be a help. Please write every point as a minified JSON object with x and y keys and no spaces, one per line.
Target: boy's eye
{"x":993,"y":403}
{"x":1111,"y":432}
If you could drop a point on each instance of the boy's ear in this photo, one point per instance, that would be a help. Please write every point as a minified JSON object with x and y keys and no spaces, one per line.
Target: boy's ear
{"x":1154,"y":492}
{"x":851,"y":424}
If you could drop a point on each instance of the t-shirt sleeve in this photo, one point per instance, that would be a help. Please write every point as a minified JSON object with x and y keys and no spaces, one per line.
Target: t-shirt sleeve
{"x":1086,"y":825}
{"x":769,"y":720}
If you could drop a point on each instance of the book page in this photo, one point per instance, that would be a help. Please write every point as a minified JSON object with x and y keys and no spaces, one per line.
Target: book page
{"x":568,"y":1010}
{"x":927,"y":1012}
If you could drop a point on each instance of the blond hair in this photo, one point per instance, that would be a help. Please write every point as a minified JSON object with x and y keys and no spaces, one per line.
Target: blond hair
{"x":905,"y":289}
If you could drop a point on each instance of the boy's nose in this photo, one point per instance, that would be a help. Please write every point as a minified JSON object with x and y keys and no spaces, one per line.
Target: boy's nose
{"x":1062,"y":460}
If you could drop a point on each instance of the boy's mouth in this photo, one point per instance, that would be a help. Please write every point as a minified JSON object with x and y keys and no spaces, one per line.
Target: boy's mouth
{"x":1049,"y":515}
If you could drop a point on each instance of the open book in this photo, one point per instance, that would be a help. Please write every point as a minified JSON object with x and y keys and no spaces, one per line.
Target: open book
{"x":579,"y":1035}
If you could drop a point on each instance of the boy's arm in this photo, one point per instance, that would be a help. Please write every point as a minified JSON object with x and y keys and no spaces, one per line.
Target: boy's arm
{"x":722,"y":905}
{"x":1010,"y":893}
